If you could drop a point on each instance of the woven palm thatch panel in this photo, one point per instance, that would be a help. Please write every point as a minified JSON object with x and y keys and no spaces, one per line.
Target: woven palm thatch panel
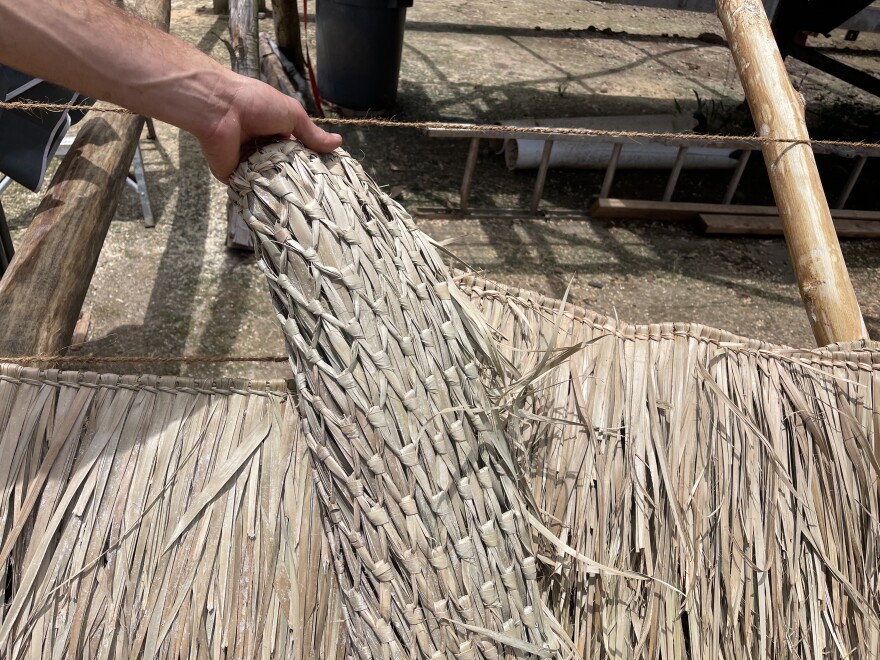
{"x":157,"y":517}
{"x":797,"y":579}
{"x":720,"y":496}
{"x":740,"y":476}
{"x":422,"y":502}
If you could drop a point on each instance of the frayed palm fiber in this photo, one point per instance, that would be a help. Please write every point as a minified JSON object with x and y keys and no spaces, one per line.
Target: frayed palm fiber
{"x":721,"y":494}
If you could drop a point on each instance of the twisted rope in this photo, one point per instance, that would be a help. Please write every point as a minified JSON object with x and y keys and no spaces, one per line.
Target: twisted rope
{"x":139,"y":359}
{"x":500,"y":129}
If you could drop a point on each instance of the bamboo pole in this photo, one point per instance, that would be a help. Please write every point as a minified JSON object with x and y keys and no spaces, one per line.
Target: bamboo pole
{"x":778,"y":112}
{"x":42,"y":293}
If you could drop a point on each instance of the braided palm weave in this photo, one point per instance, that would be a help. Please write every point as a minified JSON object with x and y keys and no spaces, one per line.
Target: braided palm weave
{"x":420,"y":496}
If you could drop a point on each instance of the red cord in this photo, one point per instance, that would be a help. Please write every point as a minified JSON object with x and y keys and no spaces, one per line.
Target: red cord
{"x":313,"y":83}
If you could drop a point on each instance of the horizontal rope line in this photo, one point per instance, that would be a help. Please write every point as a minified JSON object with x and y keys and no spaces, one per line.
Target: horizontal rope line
{"x":494,"y":128}
{"x":141,"y":359}
{"x":548,"y":130}
{"x":29,"y":106}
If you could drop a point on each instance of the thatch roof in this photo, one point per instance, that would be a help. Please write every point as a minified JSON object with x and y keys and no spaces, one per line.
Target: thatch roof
{"x":98,"y":472}
{"x":682,"y":491}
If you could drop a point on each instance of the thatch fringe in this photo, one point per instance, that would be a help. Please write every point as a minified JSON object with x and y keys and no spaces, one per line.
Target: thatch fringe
{"x":157,"y":517}
{"x":742,"y":474}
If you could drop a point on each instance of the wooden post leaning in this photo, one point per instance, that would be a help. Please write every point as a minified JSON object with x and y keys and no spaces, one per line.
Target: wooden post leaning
{"x":273,"y":71}
{"x":42,"y":293}
{"x":285,"y":13}
{"x":244,"y":51}
{"x":778,"y":112}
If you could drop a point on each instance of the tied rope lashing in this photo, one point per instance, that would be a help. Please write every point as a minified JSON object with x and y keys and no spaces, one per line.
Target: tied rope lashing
{"x":425,"y":514}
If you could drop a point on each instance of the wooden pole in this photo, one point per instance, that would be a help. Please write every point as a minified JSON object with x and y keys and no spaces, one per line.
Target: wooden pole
{"x":778,"y":112}
{"x":273,"y":71}
{"x":222,"y":6}
{"x":285,"y":13}
{"x":42,"y":293}
{"x":244,"y":51}
{"x":244,"y":42}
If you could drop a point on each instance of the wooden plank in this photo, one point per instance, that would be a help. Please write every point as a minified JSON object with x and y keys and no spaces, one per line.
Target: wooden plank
{"x":778,"y":112}
{"x":637,"y":209}
{"x":768,"y":225}
{"x":244,"y":52}
{"x":43,"y":291}
{"x":273,"y":71}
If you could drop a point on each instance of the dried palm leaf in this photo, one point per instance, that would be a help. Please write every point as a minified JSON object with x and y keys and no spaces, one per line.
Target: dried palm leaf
{"x":420,"y":494}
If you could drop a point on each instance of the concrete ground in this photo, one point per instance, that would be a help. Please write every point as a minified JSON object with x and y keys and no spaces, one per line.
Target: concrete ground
{"x":175,"y":289}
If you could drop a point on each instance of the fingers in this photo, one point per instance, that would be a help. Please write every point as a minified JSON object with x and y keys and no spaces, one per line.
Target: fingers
{"x":312,"y":135}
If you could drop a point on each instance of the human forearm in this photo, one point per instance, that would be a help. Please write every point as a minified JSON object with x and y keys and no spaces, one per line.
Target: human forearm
{"x":94,"y":48}
{"x":84,"y":45}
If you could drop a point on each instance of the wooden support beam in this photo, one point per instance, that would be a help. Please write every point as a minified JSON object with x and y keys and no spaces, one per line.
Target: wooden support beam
{"x":542,"y":176}
{"x":285,"y":13}
{"x":851,"y":182}
{"x":243,"y":38}
{"x":245,"y":55}
{"x":222,"y":6}
{"x":737,"y":175}
{"x":675,"y":173}
{"x":610,"y":170}
{"x":778,"y":111}
{"x":544,"y":133}
{"x":43,"y":291}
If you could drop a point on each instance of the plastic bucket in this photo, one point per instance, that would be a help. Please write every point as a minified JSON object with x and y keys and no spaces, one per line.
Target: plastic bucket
{"x":360,"y":43}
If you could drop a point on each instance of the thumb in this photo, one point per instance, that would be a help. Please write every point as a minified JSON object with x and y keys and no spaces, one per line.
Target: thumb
{"x":313,"y":136}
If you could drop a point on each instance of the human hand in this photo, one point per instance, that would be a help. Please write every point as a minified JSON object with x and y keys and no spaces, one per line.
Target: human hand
{"x":255,"y":110}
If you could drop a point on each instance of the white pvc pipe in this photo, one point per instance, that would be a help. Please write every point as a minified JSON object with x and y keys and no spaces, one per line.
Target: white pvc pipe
{"x":521,"y":154}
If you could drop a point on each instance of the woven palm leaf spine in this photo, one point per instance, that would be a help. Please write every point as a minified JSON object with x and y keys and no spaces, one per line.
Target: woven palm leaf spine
{"x":420,"y":499}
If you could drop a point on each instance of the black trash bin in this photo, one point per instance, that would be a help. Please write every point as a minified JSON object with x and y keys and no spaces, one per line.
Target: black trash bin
{"x":359,"y":47}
